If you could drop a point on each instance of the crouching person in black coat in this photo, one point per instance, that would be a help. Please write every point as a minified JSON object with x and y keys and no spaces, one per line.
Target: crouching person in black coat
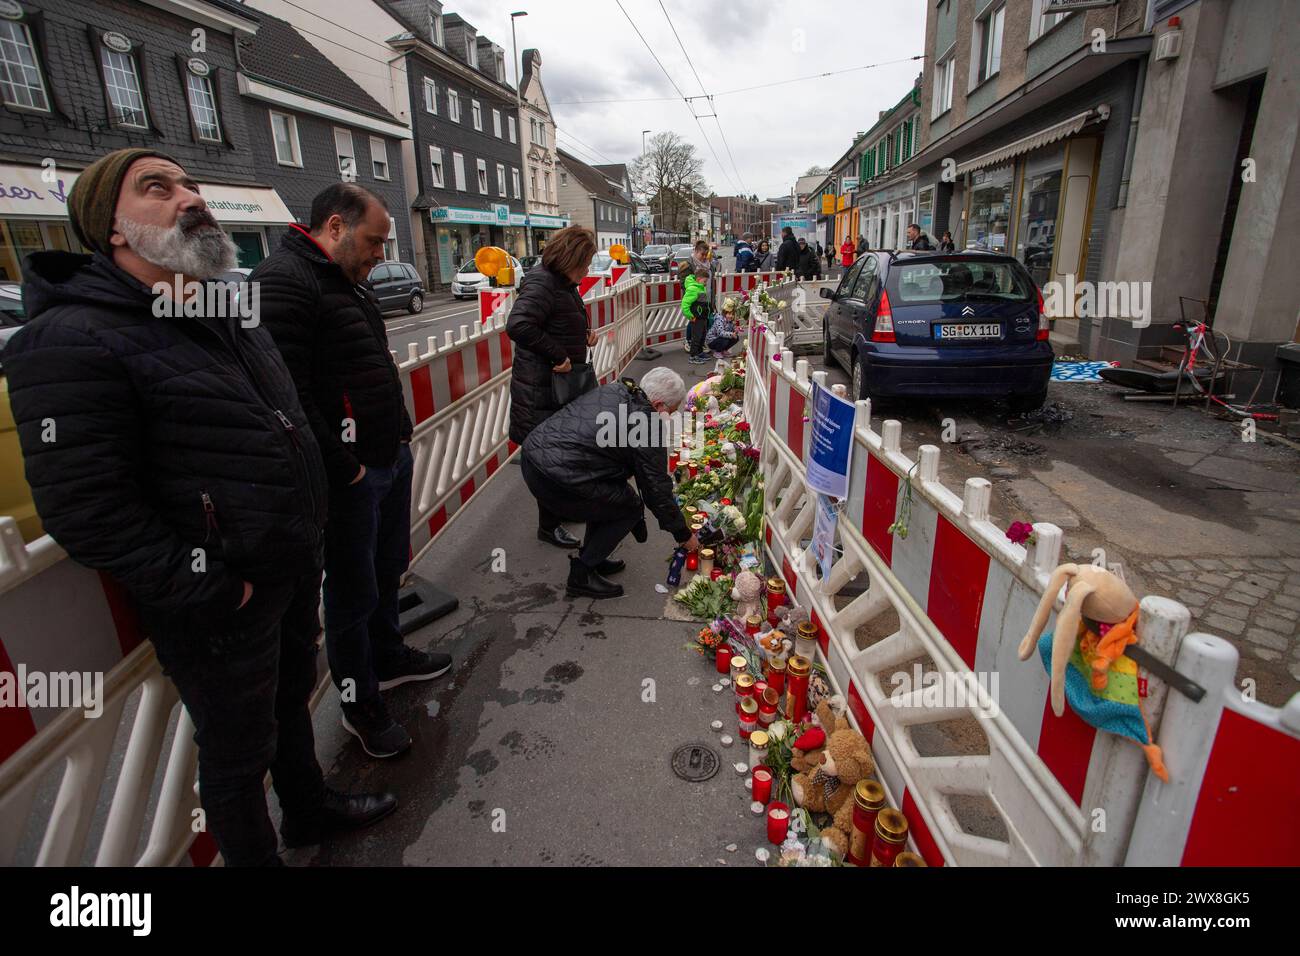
{"x":181,"y":464}
{"x":577,"y":463}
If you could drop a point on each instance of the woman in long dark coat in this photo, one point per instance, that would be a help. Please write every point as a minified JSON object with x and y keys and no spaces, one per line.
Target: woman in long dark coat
{"x":548,"y":325}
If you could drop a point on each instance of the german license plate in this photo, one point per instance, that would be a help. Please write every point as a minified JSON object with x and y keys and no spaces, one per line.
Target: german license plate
{"x":968,"y":330}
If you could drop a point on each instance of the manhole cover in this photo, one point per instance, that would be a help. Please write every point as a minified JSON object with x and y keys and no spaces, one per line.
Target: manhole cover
{"x":695,"y":762}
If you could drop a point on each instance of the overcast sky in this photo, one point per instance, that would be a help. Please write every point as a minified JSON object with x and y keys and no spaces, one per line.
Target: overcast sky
{"x":591,"y":52}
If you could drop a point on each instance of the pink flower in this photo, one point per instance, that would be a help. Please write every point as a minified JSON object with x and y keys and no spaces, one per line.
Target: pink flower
{"x":1020,"y":532}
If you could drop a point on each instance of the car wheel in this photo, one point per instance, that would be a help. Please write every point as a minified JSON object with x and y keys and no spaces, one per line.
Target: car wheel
{"x":1020,"y":404}
{"x":416,"y":305}
{"x":828,"y":358}
{"x":859,"y":388}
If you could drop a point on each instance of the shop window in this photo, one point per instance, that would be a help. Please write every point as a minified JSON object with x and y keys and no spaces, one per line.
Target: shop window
{"x":122,"y":82}
{"x":989,"y":218}
{"x":21,"y":79}
{"x":435,"y":167}
{"x":1040,"y":201}
{"x":249,"y":248}
{"x":284,"y":133}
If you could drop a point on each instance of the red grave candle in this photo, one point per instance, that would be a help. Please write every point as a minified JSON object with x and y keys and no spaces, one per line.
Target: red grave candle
{"x":673,"y":459}
{"x":722,"y":658}
{"x":778,"y":822}
{"x":692,"y":561}
{"x":775,"y":598}
{"x":762,"y":784}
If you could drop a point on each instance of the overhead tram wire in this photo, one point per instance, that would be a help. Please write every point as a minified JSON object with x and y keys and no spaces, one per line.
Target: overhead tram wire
{"x":684,"y":97}
{"x":721,"y":132}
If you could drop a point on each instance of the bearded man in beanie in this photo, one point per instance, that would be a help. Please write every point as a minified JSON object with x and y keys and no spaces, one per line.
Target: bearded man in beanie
{"x":165,"y":445}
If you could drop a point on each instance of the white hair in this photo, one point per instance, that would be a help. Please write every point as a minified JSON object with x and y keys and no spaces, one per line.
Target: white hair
{"x":662,"y":384}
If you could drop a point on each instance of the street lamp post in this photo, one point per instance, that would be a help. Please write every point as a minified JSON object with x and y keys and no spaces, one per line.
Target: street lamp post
{"x":519,"y":109}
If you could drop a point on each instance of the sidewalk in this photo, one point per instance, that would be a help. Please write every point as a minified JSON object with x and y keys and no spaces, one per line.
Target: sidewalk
{"x":541,"y":746}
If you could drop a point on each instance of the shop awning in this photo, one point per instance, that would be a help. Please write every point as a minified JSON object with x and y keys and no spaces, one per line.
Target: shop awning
{"x":29,"y":193}
{"x":1044,"y":137}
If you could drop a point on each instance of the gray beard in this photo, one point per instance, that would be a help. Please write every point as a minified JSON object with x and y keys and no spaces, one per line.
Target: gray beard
{"x":203,"y":254}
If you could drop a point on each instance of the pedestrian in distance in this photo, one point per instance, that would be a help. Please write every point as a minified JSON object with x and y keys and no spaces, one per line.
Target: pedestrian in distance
{"x":744,"y":252}
{"x":578,"y":463}
{"x":946,"y":244}
{"x":328,"y":326}
{"x":809,"y":266}
{"x":695,"y":307}
{"x":548,"y":326}
{"x":764,"y":257}
{"x":918,"y":240}
{"x":861,"y":246}
{"x":186,"y":469}
{"x":787,"y":254}
{"x":847,"y":250}
{"x":830,"y":257}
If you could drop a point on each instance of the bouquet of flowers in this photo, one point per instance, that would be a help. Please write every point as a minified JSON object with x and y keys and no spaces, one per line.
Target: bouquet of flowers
{"x":706,"y":642}
{"x":707,"y":598}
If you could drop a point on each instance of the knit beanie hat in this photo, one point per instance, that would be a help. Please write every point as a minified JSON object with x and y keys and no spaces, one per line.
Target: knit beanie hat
{"x":93,"y":199}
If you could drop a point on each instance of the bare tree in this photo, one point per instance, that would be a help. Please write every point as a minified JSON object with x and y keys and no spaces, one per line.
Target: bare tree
{"x":816,"y":171}
{"x":668,"y":179}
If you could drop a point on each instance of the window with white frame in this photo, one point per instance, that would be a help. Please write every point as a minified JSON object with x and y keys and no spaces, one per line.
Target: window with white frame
{"x":469,"y":49}
{"x":435,"y":168}
{"x":125,"y":95}
{"x":501,"y":180}
{"x":203,"y":107}
{"x":546,"y":179}
{"x":943,"y":73}
{"x":430,"y":96}
{"x":436,"y":22}
{"x":476,"y":111}
{"x":501,"y":68}
{"x":986,"y":40}
{"x":514,"y":181}
{"x":453,"y":106}
{"x":21,"y":80}
{"x":284,"y":133}
{"x":496,"y":123}
{"x":541,"y":134}
{"x":379,"y":158}
{"x":458,"y":167}
{"x":482,"y":177}
{"x":347,"y":156}
{"x":532,"y":182}
{"x":1040,"y":22}
{"x":510,"y":123}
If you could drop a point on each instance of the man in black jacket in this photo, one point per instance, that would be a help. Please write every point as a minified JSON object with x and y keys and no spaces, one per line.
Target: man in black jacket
{"x":165,"y":446}
{"x":809,"y":264}
{"x":331,"y":334}
{"x":916,"y":239}
{"x":787,"y":256}
{"x":578,"y":462}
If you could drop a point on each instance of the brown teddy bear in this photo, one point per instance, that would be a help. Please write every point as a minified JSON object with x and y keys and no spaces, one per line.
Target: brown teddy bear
{"x":828,"y":774}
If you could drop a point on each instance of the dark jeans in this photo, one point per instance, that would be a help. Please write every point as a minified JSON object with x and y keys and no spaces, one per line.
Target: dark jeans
{"x":246,"y":685}
{"x":697,"y":328}
{"x":547,"y":520}
{"x":367,"y":549}
{"x":610,"y":510}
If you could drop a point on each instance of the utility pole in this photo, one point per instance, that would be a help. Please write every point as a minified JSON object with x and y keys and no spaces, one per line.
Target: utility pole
{"x":519,"y":110}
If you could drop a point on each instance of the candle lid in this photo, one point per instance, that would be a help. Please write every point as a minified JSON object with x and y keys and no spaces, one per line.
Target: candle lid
{"x":891,"y":826}
{"x":807,"y":629}
{"x":748,"y":706}
{"x":744,"y":679}
{"x":771,"y":696}
{"x":738,"y":663}
{"x":759,"y":738}
{"x":775,"y":584}
{"x":776,"y":664}
{"x":869,"y":795}
{"x":755,"y":620}
{"x":800,"y":666}
{"x":707,"y":554}
{"x":907,"y":858}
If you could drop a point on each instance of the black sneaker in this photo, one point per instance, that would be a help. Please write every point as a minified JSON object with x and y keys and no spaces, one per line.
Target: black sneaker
{"x":379,"y":734}
{"x":408,"y":664}
{"x":338,"y":811}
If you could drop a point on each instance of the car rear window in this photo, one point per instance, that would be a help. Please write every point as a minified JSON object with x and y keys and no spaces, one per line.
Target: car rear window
{"x":600,"y":262}
{"x":655,"y":250}
{"x":958,"y":279}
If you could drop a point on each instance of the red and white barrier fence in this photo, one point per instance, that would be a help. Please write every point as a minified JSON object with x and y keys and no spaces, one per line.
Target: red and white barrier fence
{"x":955,"y":593}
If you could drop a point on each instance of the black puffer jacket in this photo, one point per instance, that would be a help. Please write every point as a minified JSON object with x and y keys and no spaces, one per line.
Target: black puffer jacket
{"x":569,"y":449}
{"x":332,"y":337}
{"x":548,"y":323}
{"x":809,"y":265}
{"x":787,"y":255}
{"x":168,"y":434}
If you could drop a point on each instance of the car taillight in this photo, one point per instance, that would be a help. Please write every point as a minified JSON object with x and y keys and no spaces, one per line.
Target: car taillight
{"x":884,"y":330}
{"x":1044,"y":326}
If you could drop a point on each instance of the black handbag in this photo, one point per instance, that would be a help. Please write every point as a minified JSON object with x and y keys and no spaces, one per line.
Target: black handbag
{"x":566,"y":386}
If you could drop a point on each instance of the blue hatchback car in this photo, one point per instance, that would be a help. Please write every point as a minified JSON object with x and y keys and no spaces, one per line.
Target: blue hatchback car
{"x":940,"y":325}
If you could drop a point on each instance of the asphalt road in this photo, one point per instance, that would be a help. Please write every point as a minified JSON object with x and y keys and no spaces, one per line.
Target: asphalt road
{"x":436,"y":318}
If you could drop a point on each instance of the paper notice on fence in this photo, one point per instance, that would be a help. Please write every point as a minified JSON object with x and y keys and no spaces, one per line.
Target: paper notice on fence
{"x":830,"y":444}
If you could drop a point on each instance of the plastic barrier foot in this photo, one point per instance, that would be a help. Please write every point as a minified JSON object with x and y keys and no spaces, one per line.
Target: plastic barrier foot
{"x":419,"y":603}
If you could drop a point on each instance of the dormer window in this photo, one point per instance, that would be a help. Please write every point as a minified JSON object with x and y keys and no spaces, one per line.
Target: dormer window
{"x":469,"y":49}
{"x":435,"y":29}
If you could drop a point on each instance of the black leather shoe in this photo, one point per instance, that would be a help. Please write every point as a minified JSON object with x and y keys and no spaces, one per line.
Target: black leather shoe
{"x":610,"y":566}
{"x":584,"y":582}
{"x":338,"y":811}
{"x":560,"y":537}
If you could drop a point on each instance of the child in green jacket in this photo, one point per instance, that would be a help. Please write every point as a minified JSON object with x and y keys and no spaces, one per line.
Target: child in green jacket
{"x":696,"y":310}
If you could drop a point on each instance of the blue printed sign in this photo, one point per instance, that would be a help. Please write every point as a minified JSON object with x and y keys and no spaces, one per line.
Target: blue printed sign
{"x":823,"y":539}
{"x":830,"y":444}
